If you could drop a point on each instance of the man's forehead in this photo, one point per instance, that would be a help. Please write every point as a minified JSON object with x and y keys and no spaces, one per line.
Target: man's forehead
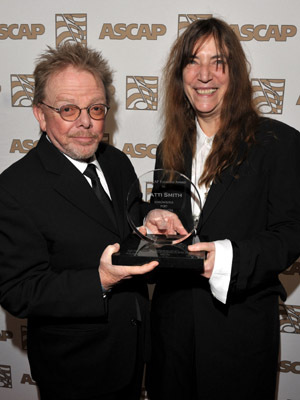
{"x":73,"y":80}
{"x":70,"y":72}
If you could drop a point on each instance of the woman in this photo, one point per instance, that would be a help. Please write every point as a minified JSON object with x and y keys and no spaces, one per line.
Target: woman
{"x":216,"y":335}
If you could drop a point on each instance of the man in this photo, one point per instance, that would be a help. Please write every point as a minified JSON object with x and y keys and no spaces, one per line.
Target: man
{"x":85,"y":333}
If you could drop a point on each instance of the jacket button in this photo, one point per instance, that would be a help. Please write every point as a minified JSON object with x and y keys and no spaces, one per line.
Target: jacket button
{"x":133,"y":322}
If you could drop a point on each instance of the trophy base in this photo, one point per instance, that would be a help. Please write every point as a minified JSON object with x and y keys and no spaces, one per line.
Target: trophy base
{"x":135,"y":251}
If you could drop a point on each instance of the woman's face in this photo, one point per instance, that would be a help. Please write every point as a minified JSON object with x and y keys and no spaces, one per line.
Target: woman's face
{"x":206,"y":79}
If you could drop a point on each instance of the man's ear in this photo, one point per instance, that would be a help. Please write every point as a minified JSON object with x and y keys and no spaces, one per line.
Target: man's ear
{"x":40,"y":116}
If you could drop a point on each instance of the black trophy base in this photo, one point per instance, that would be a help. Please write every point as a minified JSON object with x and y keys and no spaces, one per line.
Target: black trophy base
{"x":135,"y":251}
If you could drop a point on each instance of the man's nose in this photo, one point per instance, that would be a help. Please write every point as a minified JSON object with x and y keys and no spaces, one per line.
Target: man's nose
{"x":84,"y":119}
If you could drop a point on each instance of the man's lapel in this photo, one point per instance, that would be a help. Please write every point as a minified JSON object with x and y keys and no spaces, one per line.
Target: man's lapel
{"x":115,"y":189}
{"x":68,"y":181}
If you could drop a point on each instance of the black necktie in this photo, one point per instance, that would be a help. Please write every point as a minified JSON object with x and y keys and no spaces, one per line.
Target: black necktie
{"x":100,"y":192}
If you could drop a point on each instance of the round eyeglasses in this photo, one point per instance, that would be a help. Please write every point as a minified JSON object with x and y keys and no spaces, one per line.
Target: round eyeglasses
{"x":71,"y":112}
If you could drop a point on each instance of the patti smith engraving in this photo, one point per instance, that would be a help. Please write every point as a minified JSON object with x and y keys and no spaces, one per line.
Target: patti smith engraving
{"x":163,"y":210}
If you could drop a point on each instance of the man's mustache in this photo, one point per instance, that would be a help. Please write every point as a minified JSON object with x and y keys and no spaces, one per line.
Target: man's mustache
{"x":85,"y":135}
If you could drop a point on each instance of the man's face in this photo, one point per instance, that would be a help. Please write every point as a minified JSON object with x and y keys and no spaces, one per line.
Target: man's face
{"x":78,"y":139}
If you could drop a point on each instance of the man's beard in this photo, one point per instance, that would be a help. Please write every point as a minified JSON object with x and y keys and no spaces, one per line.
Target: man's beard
{"x":78,"y":153}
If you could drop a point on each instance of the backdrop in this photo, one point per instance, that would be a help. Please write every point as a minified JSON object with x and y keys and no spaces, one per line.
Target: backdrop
{"x":135,"y":36}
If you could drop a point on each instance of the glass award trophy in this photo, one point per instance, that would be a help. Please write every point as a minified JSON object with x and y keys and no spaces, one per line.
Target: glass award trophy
{"x":163,"y":210}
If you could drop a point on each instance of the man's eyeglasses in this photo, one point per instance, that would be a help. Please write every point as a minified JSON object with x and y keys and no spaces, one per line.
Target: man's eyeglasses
{"x":71,"y":112}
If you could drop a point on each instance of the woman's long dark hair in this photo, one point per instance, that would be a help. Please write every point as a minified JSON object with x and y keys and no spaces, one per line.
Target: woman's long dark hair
{"x":238,"y":118}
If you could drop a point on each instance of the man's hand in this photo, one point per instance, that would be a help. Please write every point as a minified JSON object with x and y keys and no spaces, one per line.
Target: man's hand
{"x":209,"y":263}
{"x":110,"y":274}
{"x":163,"y":222}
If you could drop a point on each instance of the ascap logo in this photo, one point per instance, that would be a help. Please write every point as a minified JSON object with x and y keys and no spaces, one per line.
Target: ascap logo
{"x":140,"y":150}
{"x":184,"y":20}
{"x":268,"y":95}
{"x":289,"y":366}
{"x":294,"y":269}
{"x":261,"y":33}
{"x":5,"y":376}
{"x":264,"y":33}
{"x":15,"y":31}
{"x":22,"y":90}
{"x":132,"y":31}
{"x":4,"y":335}
{"x":24,"y":337}
{"x":141,"y":93}
{"x":22,"y":146}
{"x":71,"y":28}
{"x":26,"y":378}
{"x":289,"y":318}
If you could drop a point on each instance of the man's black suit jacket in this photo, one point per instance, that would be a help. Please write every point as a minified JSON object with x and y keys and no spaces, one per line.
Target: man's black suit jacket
{"x":52,"y":233}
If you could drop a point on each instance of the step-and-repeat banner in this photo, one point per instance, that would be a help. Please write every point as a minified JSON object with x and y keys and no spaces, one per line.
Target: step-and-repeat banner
{"x":135,"y":36}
